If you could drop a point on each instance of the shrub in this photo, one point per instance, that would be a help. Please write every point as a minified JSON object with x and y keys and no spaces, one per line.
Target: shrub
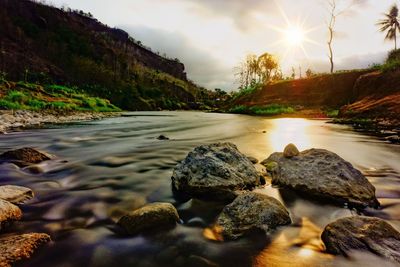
{"x":17,"y":96}
{"x":5,"y":104}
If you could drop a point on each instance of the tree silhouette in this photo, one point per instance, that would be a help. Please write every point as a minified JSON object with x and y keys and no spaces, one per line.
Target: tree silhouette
{"x":391,"y":24}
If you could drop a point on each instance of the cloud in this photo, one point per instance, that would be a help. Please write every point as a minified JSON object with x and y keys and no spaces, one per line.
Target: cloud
{"x":346,"y":63}
{"x":239,"y":11}
{"x":201,"y":67}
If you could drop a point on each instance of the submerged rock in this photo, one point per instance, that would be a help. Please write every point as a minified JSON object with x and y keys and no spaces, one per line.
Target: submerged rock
{"x":251,"y":211}
{"x":15,"y":194}
{"x":290,"y":151}
{"x":24,"y":156}
{"x":8,"y":213}
{"x":150,"y":217}
{"x":362,"y":233}
{"x":162,"y":137}
{"x":321,"y":173}
{"x":20,"y":247}
{"x":214,"y":172}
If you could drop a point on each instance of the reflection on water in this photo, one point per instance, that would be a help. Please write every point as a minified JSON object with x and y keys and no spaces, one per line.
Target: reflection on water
{"x":285,"y":131}
{"x":117,"y":165}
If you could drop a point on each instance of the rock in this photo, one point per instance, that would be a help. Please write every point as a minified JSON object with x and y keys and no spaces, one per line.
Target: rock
{"x":253,"y":160}
{"x":15,"y":194}
{"x":251,"y":211}
{"x":393,"y":138}
{"x":290,"y":151}
{"x":20,"y":247}
{"x":362,"y":233}
{"x":150,"y":217}
{"x":162,"y":137}
{"x":8,"y":213}
{"x":214,"y":172}
{"x":321,"y":173}
{"x":24,"y":156}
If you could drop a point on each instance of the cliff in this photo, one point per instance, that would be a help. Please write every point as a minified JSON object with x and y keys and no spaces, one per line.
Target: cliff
{"x":40,"y":43}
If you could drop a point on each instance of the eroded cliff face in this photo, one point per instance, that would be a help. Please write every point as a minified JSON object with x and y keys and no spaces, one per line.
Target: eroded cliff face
{"x":323,"y":90}
{"x":377,"y":97}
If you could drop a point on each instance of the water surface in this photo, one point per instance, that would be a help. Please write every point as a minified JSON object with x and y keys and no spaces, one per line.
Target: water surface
{"x":105,"y":168}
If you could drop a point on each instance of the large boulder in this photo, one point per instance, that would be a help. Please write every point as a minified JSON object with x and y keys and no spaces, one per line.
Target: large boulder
{"x":150,"y":217}
{"x":20,"y":247}
{"x":8,"y":213}
{"x":24,"y":156}
{"x":251,"y":211}
{"x":214,"y":172}
{"x":362,"y":233}
{"x":15,"y":194}
{"x":321,"y":173}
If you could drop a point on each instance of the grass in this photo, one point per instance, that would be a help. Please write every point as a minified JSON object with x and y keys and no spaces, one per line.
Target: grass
{"x":30,"y":96}
{"x":268,"y":110}
{"x":332,"y":113}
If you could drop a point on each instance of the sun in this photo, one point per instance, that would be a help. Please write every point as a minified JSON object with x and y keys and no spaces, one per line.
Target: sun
{"x":295,"y":36}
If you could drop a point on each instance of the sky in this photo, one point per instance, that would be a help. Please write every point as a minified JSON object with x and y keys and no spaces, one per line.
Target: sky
{"x":211,"y":37}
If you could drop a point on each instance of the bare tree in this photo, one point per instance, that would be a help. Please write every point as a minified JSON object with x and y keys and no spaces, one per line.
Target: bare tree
{"x":334,"y":13}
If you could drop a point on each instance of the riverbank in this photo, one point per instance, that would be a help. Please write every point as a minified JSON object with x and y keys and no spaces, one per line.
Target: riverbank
{"x":18,"y":119}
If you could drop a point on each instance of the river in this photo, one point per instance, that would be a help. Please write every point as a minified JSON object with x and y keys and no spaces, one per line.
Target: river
{"x":107,"y":167}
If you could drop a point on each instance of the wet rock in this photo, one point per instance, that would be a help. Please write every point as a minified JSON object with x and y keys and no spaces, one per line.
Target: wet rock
{"x":150,"y":217}
{"x":393,"y":139}
{"x":251,"y":211}
{"x":8,"y":213}
{"x":24,"y":156}
{"x":162,"y":137}
{"x":15,"y":194}
{"x":214,"y":172}
{"x":253,"y":160}
{"x":362,"y":233}
{"x":290,"y":151}
{"x":20,"y":247}
{"x":321,"y":173}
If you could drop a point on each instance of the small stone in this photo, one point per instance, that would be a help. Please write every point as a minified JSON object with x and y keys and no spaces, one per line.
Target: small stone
{"x":162,"y":137}
{"x":290,"y":151}
{"x":20,"y":247}
{"x":362,"y":233}
{"x":150,"y":217}
{"x":271,"y":166}
{"x":8,"y":213}
{"x":250,"y":211}
{"x":15,"y":194}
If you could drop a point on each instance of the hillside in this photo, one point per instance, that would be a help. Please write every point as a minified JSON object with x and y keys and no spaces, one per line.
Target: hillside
{"x":359,"y":94}
{"x":43,"y":44}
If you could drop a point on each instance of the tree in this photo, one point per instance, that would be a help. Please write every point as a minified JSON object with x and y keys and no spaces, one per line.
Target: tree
{"x":309,"y":73}
{"x":257,"y":70}
{"x":334,"y":13}
{"x":267,"y":65}
{"x":391,"y":24}
{"x":293,"y":75}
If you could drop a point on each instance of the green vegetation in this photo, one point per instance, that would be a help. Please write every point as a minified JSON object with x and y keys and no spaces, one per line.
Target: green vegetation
{"x":31,"y":96}
{"x":268,"y":110}
{"x":332,"y":113}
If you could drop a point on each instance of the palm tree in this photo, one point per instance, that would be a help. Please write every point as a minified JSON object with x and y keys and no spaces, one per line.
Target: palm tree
{"x":391,"y":24}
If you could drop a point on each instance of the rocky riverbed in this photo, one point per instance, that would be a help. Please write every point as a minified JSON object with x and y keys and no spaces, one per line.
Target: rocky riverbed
{"x":221,"y":211}
{"x":12,"y":120}
{"x":221,"y":169}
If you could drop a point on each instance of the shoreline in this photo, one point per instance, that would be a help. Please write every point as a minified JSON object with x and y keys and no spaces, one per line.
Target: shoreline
{"x":23,"y":119}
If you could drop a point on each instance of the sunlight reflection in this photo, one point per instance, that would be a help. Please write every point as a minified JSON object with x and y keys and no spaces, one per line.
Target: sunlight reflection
{"x":305,"y":252}
{"x":285,"y":131}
